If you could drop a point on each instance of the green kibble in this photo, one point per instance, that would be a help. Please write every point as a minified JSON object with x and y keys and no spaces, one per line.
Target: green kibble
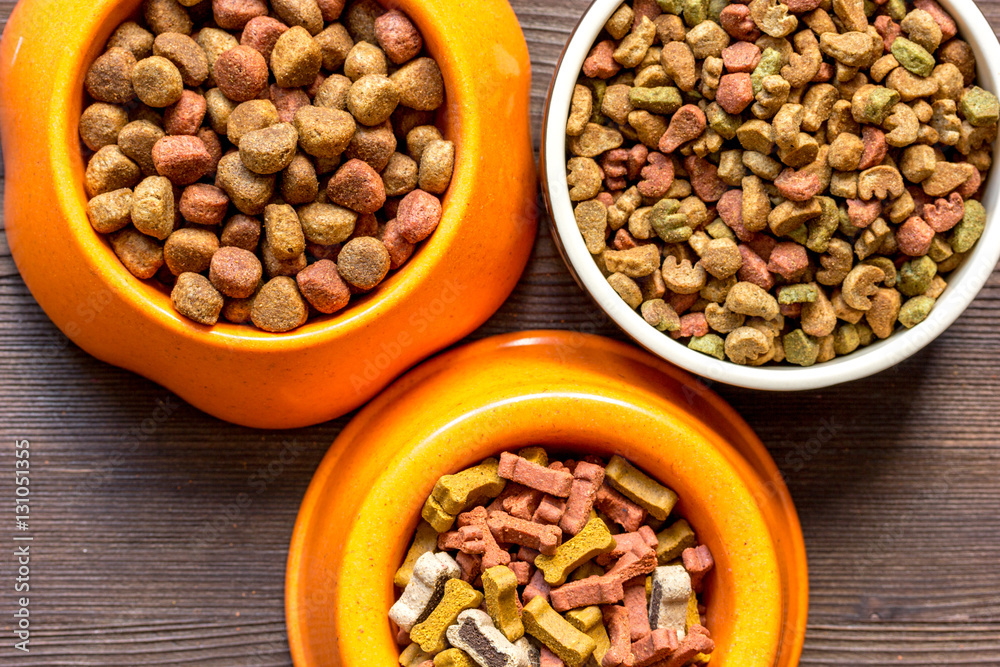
{"x":844,"y":224}
{"x":668,"y":224}
{"x":659,"y":100}
{"x":913,"y":57}
{"x":915,"y":311}
{"x":717,"y":229}
{"x":800,"y":234}
{"x":725,"y":124}
{"x":770,"y":63}
{"x":846,"y":339}
{"x":715,"y":8}
{"x":801,"y":293}
{"x":695,"y":11}
{"x":674,"y":7}
{"x":597,"y":87}
{"x":980,"y":107}
{"x":916,"y":275}
{"x":658,"y":313}
{"x":801,"y":349}
{"x":880,"y":102}
{"x":865,"y":333}
{"x":870,"y":8}
{"x":967,"y":232}
{"x":709,"y":344}
{"x":896,"y":9}
{"x":821,"y":229}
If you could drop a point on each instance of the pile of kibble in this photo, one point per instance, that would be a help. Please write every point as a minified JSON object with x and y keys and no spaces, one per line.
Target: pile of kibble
{"x":529,"y":562}
{"x":780,"y":181}
{"x":265,"y":161}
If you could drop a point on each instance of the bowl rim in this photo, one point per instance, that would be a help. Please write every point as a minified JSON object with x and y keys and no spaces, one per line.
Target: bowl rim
{"x":965,"y":282}
{"x":153,"y":301}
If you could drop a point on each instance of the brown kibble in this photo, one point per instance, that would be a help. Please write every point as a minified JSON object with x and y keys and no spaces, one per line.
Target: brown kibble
{"x":333,"y":93}
{"x":100,"y":125}
{"x":374,"y":145}
{"x":167,"y":16}
{"x":358,"y":187}
{"x":365,"y":58}
{"x":360,"y":19}
{"x":418,"y":215}
{"x":372,"y":99}
{"x":304,"y":13}
{"x":324,"y":133}
{"x":399,"y":175}
{"x":420,"y":84}
{"x":269,"y":150}
{"x":419,"y":137}
{"x":212,"y":145}
{"x":109,"y":169}
{"x":136,"y":141}
{"x":215,"y":42}
{"x":262,"y":34}
{"x":283,"y":232}
{"x":335,"y":44}
{"x":299,"y":183}
{"x":110,"y":211}
{"x":186,"y":115}
{"x":185,"y":54}
{"x":249,"y":117}
{"x":248,"y":191}
{"x":235,"y":272}
{"x":140,"y":254}
{"x":133,"y":38}
{"x":241,"y":231}
{"x":194,"y":297}
{"x":241,"y":73}
{"x":203,"y":204}
{"x":363,"y":262}
{"x":327,"y":224}
{"x":189,"y":250}
{"x":279,"y":307}
{"x":296,"y":58}
{"x":398,"y":37}
{"x":157,"y":82}
{"x":220,"y":108}
{"x":153,"y":210}
{"x":109,"y":79}
{"x":330,"y":9}
{"x":437,"y":162}
{"x":323,"y":287}
{"x":235,"y":14}
{"x":288,"y":101}
{"x":183,"y":159}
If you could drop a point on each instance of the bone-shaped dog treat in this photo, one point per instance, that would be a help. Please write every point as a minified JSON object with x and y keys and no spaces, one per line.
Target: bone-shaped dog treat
{"x":655,"y":646}
{"x":618,"y":508}
{"x":587,"y":479}
{"x":492,"y":553}
{"x":638,"y":543}
{"x":500,"y":590}
{"x":668,"y":598}
{"x":544,"y":624}
{"x":594,"y":539}
{"x":554,"y":482}
{"x":425,"y":589}
{"x":616,"y":620}
{"x":458,"y":596}
{"x":638,"y":614}
{"x":423,"y":541}
{"x":453,"y":657}
{"x":472,"y":486}
{"x":589,"y":591}
{"x":698,"y":562}
{"x":475,"y":634}
{"x":412,"y":656}
{"x":634,"y":484}
{"x":672,"y":541}
{"x":506,"y":528}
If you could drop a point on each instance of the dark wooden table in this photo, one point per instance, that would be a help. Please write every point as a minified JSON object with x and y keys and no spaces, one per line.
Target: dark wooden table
{"x":142,"y":556}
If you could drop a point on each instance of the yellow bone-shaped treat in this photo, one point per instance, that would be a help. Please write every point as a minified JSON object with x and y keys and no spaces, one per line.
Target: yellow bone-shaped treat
{"x":500,"y":587}
{"x":435,"y":515}
{"x":458,"y":596}
{"x":569,"y":644}
{"x":472,"y":486}
{"x":673,"y":540}
{"x":638,"y":487}
{"x":594,"y":539}
{"x":424,"y":540}
{"x":413,"y":656}
{"x":454,"y":657}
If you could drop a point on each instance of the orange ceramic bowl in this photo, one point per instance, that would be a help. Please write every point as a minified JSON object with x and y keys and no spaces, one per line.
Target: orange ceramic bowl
{"x":330,"y":366}
{"x":569,"y":392}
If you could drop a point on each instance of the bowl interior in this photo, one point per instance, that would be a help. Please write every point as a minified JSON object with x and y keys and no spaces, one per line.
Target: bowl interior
{"x":151,"y":296}
{"x":744,"y":596}
{"x":963,"y":283}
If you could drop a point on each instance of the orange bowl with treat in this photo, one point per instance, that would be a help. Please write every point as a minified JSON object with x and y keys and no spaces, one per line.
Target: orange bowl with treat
{"x":333,"y":363}
{"x":574,"y":395}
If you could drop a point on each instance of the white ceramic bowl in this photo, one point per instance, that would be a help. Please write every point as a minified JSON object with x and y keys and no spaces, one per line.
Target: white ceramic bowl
{"x":963,"y":283}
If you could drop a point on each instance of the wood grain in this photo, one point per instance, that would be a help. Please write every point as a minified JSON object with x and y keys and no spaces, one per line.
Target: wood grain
{"x":144,"y":557}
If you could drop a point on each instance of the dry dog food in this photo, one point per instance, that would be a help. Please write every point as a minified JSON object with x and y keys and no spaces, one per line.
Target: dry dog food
{"x":779,"y":181}
{"x":265,"y":161}
{"x":524,"y":561}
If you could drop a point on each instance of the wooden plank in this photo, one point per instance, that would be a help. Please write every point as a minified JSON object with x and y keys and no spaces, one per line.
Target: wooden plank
{"x":147,"y":560}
